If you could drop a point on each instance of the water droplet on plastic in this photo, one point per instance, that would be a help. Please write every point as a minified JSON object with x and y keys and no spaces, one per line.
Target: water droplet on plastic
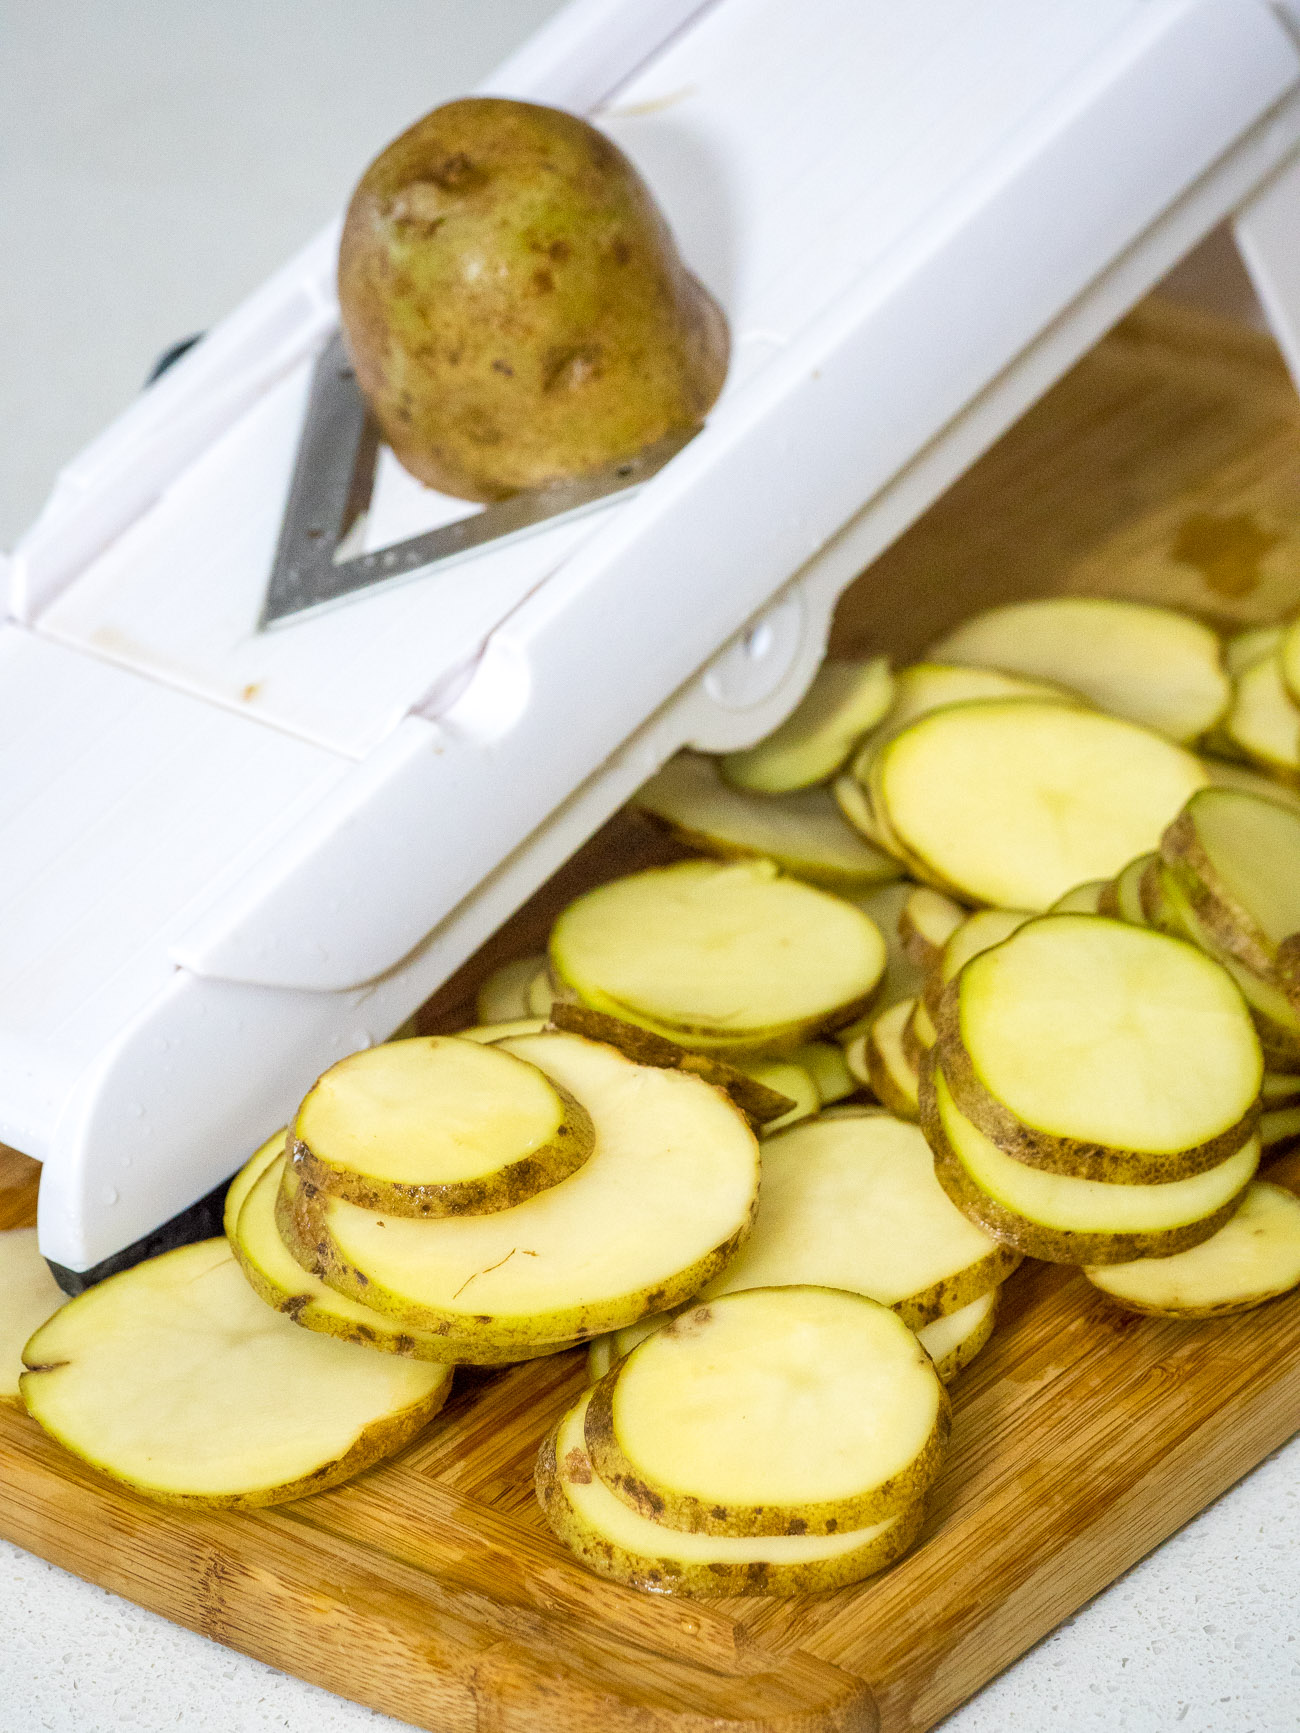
{"x":136,"y":1108}
{"x":110,"y":1194}
{"x":361,"y":1038}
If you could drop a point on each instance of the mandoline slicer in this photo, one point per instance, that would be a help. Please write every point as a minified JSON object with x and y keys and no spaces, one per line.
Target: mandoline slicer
{"x":229,"y":856}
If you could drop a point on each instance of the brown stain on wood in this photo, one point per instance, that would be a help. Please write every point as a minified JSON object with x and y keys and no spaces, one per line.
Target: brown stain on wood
{"x":1228,"y":551}
{"x":430,"y":1588}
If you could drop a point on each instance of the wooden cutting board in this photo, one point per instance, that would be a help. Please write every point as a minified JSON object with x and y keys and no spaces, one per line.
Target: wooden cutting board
{"x":1166,"y":465}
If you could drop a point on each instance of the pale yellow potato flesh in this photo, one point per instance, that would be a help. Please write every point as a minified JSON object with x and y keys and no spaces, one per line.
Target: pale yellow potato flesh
{"x":931,"y":685}
{"x":879,"y":1059}
{"x":503,"y":997}
{"x":1246,"y":648}
{"x":1224,"y":773}
{"x":673,"y":1176}
{"x":247,"y":1177}
{"x":787,"y":1078}
{"x":1252,"y":1258}
{"x":1082,"y":900}
{"x":825,"y":1063}
{"x":777,"y":1397}
{"x":490,"y":1033}
{"x":726,"y":949}
{"x":1055,"y":1200}
{"x":29,"y":1295}
{"x":1152,"y":665}
{"x":436,"y":1110}
{"x":1244,"y":854}
{"x":845,"y":700}
{"x":1094,"y":1030}
{"x":953,"y":1342}
{"x":619,"y":1542}
{"x":854,"y":1204}
{"x":177,"y":1379}
{"x":927,"y":921}
{"x":1264,"y":720}
{"x":1014,"y":802}
{"x":903,"y":977}
{"x":978,"y":932}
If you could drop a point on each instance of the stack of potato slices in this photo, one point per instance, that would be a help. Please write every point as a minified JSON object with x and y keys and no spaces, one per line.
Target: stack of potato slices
{"x":1092,"y":1096}
{"x":770,"y":1441}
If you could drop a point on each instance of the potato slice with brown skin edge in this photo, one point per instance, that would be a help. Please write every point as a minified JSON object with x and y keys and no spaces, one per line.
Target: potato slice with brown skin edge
{"x":1088,"y":1047}
{"x":825,"y":1063}
{"x":755,"y":1100}
{"x":511,"y":1280}
{"x":927,"y":921}
{"x":889,"y":1358}
{"x":277,"y":1277}
{"x":1264,"y":720}
{"x":1084,"y":899}
{"x":1237,"y":859}
{"x":1253,"y":1258}
{"x":1033,"y":1239}
{"x":174,"y":1378}
{"x":953,"y":1342}
{"x":1225,"y":773}
{"x":978,"y":932}
{"x":1070,"y":1155}
{"x":845,"y":701}
{"x":615,"y":1542}
{"x":437,"y":1126}
{"x":919,"y":1034}
{"x":890,"y":1072}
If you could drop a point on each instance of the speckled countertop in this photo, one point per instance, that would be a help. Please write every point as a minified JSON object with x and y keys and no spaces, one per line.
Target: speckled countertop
{"x":185,"y":151}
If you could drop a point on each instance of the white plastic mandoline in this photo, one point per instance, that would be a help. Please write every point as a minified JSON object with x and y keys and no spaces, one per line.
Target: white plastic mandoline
{"x":228,"y":858}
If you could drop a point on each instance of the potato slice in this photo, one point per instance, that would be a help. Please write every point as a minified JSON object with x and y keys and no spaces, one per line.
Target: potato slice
{"x":1151,"y":665}
{"x":825,"y":1063}
{"x":978,"y":932}
{"x":662,"y":1204}
{"x":927,"y":921}
{"x":1245,"y":648}
{"x":1082,"y":900}
{"x":732,"y":957}
{"x":175,"y":1378}
{"x":854,"y":1204}
{"x":793,"y":1410}
{"x":1224,"y":774}
{"x":503,"y":997}
{"x":793,"y":1081}
{"x":1264,"y":720}
{"x":919,"y":1034}
{"x":1279,"y":1129}
{"x":1012,"y":802}
{"x":926,"y":686}
{"x":1104,"y":1051}
{"x":490,"y":1033}
{"x":1279,"y":1088}
{"x":845,"y":700}
{"x":281,"y":1281}
{"x":437,"y":1126}
{"x":1237,"y":859}
{"x":1253,"y":1258}
{"x":541,"y":993}
{"x":1121,"y":897}
{"x":902,"y":979}
{"x":1065,"y":1220}
{"x":237,"y":1191}
{"x":804,"y":832}
{"x":881,"y":1061}
{"x":617,"y":1542}
{"x":29,"y":1294}
{"x":953,"y":1342}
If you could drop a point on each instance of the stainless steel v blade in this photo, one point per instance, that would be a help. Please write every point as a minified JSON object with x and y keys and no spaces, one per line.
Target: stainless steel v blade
{"x":331,"y":488}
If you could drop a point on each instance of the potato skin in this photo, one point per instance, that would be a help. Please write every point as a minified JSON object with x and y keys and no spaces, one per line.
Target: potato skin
{"x":514,"y":303}
{"x":675,"y":1576}
{"x":1051,"y":1245}
{"x":1069,"y":1155}
{"x":684,"y":1511}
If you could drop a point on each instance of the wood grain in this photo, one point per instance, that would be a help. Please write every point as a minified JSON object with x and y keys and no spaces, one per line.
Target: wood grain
{"x":1166,"y":466}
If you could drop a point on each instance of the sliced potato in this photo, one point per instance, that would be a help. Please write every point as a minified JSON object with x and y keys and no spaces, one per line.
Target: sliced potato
{"x":1253,"y":1258}
{"x":661,"y":1205}
{"x":804,"y":832}
{"x":1279,"y":1088}
{"x":1246,"y":648}
{"x":1082,"y":900}
{"x":503,"y":997}
{"x":919,"y":1033}
{"x":1224,"y":774}
{"x":1012,"y":802}
{"x":437,"y":1126}
{"x":790,"y":1080}
{"x":926,"y":686}
{"x":1091,"y":1048}
{"x":1064,"y":1220}
{"x":845,"y":700}
{"x":1122,"y":899}
{"x":28,"y":1296}
{"x":825,"y":1063}
{"x":1279,"y":1129}
{"x":902,"y":978}
{"x":281,"y":1281}
{"x":729,"y":957}
{"x":1151,"y":665}
{"x":978,"y":932}
{"x":1237,"y":858}
{"x":175,"y":1378}
{"x":237,"y":1191}
{"x":953,"y":1342}
{"x":759,"y":1103}
{"x":541,"y":993}
{"x":927,"y":921}
{"x":794,"y":1410}
{"x":855,"y":806}
{"x":615,"y":1541}
{"x":854,"y":1204}
{"x":490,"y":1033}
{"x":1264,"y":720}
{"x":881,"y":1061}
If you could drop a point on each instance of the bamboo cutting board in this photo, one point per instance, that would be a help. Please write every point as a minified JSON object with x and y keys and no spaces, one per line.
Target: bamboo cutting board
{"x":1165,"y":466}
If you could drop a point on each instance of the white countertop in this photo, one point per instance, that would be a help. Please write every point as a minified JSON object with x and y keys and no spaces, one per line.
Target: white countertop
{"x":184,"y":151}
